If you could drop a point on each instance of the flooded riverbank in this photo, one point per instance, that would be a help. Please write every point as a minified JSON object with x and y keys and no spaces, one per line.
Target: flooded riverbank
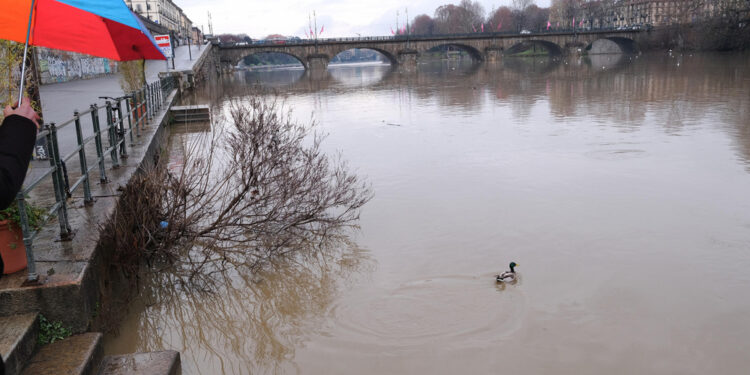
{"x":619,"y":185}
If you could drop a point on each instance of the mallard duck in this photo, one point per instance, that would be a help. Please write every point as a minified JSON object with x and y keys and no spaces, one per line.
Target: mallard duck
{"x":507,"y":275}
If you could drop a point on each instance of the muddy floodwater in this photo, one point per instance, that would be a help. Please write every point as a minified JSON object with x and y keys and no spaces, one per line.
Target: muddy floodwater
{"x":620,"y":185}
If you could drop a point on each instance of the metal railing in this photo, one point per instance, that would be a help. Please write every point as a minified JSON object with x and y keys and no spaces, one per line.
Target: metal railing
{"x":124,"y":120}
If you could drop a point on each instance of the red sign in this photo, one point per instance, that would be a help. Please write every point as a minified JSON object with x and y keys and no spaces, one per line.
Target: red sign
{"x":165,"y":45}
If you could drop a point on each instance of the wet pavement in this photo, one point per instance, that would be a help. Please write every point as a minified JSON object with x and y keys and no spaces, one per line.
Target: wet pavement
{"x":60,"y":100}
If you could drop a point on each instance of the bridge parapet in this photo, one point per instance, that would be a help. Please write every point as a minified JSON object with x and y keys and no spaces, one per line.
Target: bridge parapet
{"x":403,"y":51}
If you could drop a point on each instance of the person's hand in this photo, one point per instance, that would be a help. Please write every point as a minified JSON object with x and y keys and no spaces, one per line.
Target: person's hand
{"x":23,"y":110}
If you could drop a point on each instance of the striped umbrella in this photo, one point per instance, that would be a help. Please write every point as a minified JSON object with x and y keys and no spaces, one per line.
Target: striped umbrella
{"x":104,"y":28}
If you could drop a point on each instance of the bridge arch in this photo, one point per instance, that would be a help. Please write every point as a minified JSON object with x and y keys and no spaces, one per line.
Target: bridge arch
{"x":475,"y":54}
{"x":613,"y":44}
{"x":387,"y":54}
{"x":552,"y":48}
{"x":241,"y":57}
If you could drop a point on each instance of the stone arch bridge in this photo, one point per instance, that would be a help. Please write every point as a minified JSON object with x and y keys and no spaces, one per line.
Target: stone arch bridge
{"x":482,"y":47}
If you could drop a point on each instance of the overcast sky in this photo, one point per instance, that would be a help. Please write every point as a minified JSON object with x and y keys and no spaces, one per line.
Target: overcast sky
{"x":341,"y":18}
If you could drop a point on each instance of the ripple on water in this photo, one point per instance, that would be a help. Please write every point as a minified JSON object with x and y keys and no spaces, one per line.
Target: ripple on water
{"x":618,"y":154}
{"x":459,"y":308}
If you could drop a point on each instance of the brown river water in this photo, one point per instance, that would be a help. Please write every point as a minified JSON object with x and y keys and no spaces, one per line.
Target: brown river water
{"x":620,"y":185}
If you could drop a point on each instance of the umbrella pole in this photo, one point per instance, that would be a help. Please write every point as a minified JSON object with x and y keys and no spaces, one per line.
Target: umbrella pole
{"x":25,"y":53}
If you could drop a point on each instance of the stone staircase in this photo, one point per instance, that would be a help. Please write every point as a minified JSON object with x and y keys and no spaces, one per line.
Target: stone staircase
{"x":76,"y":355}
{"x":18,"y":335}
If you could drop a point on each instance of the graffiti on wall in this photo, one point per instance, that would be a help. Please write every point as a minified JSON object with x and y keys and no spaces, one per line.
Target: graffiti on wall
{"x":61,"y":66}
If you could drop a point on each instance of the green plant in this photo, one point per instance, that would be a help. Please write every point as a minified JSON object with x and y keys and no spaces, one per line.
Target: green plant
{"x":50,"y":332}
{"x":34,"y":214}
{"x":132,"y":76}
{"x":10,"y":59}
{"x":11,"y":56}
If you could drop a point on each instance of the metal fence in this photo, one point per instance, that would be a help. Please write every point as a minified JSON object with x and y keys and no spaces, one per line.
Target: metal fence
{"x":124,"y":120}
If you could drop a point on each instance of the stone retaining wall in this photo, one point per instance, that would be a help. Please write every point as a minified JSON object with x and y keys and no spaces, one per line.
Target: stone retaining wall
{"x":61,"y":66}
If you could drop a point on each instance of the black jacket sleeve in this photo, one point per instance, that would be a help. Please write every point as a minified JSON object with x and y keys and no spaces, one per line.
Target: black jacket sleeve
{"x":17,"y":139}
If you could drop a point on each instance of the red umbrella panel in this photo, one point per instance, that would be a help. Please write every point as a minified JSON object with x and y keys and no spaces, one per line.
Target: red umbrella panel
{"x":104,"y":28}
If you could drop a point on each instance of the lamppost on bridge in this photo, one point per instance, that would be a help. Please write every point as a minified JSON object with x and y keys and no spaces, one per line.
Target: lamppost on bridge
{"x":408,"y":32}
{"x":313,"y":31}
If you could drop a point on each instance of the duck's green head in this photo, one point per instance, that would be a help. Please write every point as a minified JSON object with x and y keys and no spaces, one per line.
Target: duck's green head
{"x":512,"y":266}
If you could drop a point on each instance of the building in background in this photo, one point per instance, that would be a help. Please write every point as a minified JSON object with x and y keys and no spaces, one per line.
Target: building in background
{"x":643,"y":13}
{"x":159,"y":16}
{"x":167,"y":14}
{"x":153,"y":27}
{"x":197,"y":36}
{"x":186,"y":28}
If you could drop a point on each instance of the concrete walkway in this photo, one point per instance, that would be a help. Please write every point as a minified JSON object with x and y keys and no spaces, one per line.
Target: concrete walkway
{"x":182,"y":62}
{"x":59,"y":100}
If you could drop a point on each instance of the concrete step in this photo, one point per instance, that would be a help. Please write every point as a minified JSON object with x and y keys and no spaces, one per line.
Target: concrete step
{"x":153,"y":363}
{"x":18,"y":335}
{"x":190,"y":113}
{"x":76,"y":355}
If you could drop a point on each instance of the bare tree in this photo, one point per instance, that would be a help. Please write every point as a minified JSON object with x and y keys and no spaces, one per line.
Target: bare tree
{"x":599,"y":14}
{"x":451,"y":19}
{"x":423,"y":25}
{"x":536,"y":17}
{"x":474,"y":11}
{"x":565,"y":12}
{"x":502,"y":20}
{"x":521,"y":5}
{"x":233,"y":38}
{"x":520,"y":15}
{"x":258,"y":186}
{"x":457,"y":19}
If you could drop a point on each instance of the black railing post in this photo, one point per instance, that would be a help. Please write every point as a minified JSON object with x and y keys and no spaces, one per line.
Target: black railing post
{"x":58,"y":182}
{"x":98,"y":141}
{"x":149,"y":105}
{"x":87,"y":198}
{"x":141,"y":106}
{"x":154,"y":103}
{"x":130,"y":118}
{"x":112,"y":137}
{"x":159,"y":94}
{"x":120,"y":130}
{"x":146,"y":102}
{"x":137,"y":110}
{"x":150,"y":96}
{"x":155,"y":98}
{"x":27,"y":241}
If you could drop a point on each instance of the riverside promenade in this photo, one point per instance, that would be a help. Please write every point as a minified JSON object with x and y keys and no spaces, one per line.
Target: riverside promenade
{"x":72,"y":273}
{"x":59,"y":100}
